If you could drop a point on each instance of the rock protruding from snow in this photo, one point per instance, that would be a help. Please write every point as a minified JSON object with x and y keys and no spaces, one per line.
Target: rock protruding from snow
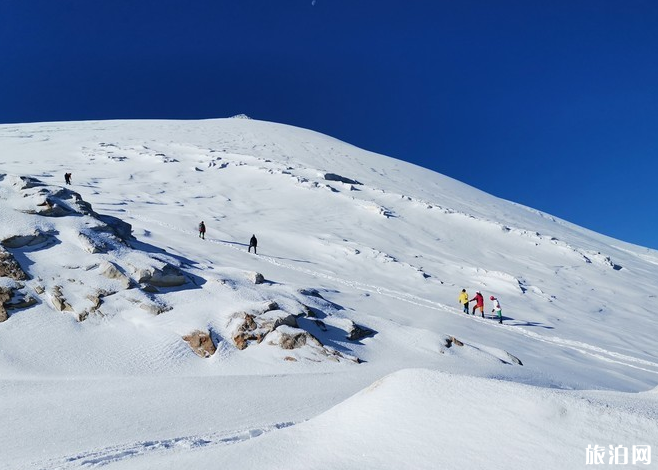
{"x":256,"y":278}
{"x":358,"y":332}
{"x":112,"y":271}
{"x":114,"y":226}
{"x":246,"y":332}
{"x":514,"y":359}
{"x":201,"y":343}
{"x":165,"y":276}
{"x":27,"y":182}
{"x":10,"y":268}
{"x":20,"y":241}
{"x":341,"y":179}
{"x":449,"y":341}
{"x":5,"y":295}
{"x":155,"y":308}
{"x":58,"y":300}
{"x":254,"y":326}
{"x":293,"y":338}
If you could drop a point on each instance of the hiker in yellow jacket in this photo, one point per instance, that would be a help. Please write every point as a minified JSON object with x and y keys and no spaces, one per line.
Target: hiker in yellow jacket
{"x":463,"y":299}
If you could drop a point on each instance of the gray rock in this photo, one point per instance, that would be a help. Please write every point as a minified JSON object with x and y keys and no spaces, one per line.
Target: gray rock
{"x":28,"y":182}
{"x":91,"y":245}
{"x":168,"y":276}
{"x":452,"y":340}
{"x":155,"y":308}
{"x":256,"y":278}
{"x":358,"y":332}
{"x":21,"y":301}
{"x":111,"y":271}
{"x":123,"y":230}
{"x":342,"y":179}
{"x":58,"y":300}
{"x":514,"y":359}
{"x":293,"y":338}
{"x":19,"y":241}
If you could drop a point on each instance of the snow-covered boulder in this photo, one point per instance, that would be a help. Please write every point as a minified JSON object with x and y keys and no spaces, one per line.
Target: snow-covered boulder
{"x":165,"y":276}
{"x":20,"y":241}
{"x":155,"y":308}
{"x":112,"y":271}
{"x":292,"y":338}
{"x":256,"y":278}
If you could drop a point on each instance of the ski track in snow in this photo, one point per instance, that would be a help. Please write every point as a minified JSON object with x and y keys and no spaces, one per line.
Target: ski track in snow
{"x":583,"y":348}
{"x":100,"y":457}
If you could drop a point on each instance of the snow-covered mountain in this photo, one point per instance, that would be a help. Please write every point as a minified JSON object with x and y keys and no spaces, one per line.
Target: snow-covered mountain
{"x":129,"y":342}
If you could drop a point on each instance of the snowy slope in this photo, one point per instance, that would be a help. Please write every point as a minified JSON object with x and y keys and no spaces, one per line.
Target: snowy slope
{"x":346,"y":238}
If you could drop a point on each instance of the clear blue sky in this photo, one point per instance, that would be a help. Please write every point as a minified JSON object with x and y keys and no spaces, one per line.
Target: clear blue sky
{"x":548,"y":103}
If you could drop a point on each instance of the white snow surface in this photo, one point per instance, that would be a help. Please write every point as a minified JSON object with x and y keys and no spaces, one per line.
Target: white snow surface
{"x":345,"y":237}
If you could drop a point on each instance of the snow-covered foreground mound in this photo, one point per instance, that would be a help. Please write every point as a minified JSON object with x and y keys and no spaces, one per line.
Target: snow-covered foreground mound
{"x":128,"y":341}
{"x":419,"y":419}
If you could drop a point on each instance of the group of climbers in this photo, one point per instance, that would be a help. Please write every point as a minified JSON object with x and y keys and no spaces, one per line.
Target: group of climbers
{"x":478,"y":298}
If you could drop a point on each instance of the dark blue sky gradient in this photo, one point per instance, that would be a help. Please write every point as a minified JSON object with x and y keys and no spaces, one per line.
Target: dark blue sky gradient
{"x":552,"y":104}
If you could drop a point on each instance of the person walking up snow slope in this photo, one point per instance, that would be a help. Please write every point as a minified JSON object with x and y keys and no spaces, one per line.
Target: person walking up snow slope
{"x":253,"y":243}
{"x":496,"y":308}
{"x":463,"y":299}
{"x":479,"y":303}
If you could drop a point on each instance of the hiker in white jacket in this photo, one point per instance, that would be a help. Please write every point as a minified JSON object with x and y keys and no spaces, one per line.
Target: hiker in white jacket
{"x":497,"y":309}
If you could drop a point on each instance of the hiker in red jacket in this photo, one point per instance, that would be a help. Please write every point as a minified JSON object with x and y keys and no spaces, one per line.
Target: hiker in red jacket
{"x":479,"y":303}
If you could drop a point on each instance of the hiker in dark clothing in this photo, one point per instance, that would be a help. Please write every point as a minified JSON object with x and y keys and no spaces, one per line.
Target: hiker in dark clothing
{"x":253,"y":242}
{"x":67,"y":178}
{"x":202,"y":230}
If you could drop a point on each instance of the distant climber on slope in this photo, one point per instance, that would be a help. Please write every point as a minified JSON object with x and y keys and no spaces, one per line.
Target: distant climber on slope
{"x":479,"y":303}
{"x":67,"y":178}
{"x":497,"y":309}
{"x":253,"y":242}
{"x":463,"y":299}
{"x":202,"y":230}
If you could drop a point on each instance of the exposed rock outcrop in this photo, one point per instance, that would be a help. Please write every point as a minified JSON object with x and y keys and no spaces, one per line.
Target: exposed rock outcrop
{"x":166,"y":276}
{"x":254,"y":326}
{"x":112,"y":271}
{"x":91,"y":245}
{"x":20,"y":300}
{"x":27,"y":182}
{"x":452,"y":340}
{"x":256,"y":278}
{"x":201,"y":343}
{"x":5,"y":295}
{"x":358,"y":332}
{"x":20,"y":241}
{"x":155,"y":308}
{"x":293,"y":338}
{"x":58,"y":300}
{"x":247,"y":331}
{"x":10,"y":268}
{"x":514,"y":359}
{"x":341,"y":179}
{"x":115,"y":226}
